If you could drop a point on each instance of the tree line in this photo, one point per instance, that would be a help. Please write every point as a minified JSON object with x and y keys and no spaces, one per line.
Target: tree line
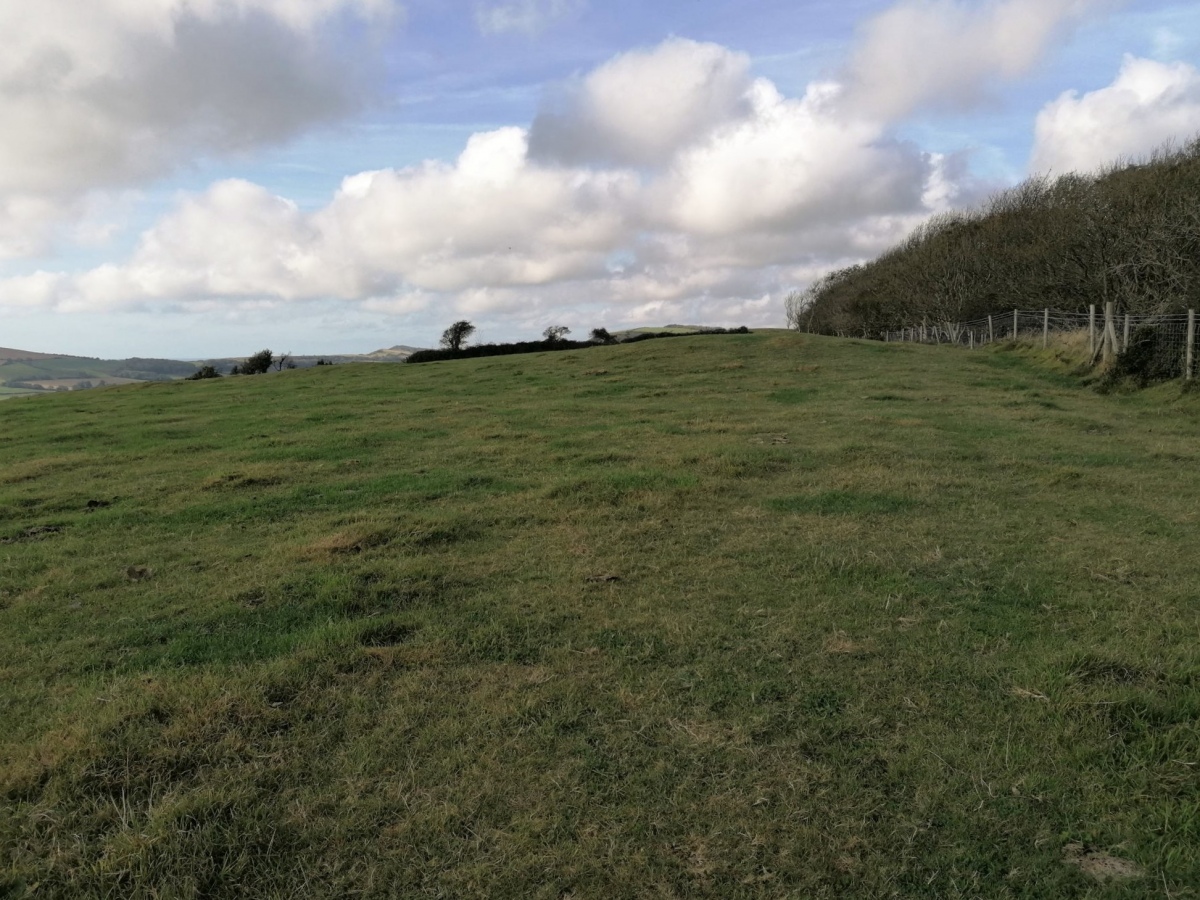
{"x":454,"y":338}
{"x":1130,"y":234}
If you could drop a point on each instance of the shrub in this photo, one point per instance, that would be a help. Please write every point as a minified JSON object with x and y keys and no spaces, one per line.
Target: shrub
{"x":205,"y":372}
{"x":601,"y":336}
{"x":257,"y":364}
{"x":1147,"y":359}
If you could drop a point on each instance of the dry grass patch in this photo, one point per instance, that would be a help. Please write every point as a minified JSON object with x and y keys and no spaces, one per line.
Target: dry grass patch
{"x":348,"y":542}
{"x":1101,"y":866}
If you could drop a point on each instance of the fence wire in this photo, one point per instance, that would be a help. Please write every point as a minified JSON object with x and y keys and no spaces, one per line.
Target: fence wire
{"x":1166,"y":344}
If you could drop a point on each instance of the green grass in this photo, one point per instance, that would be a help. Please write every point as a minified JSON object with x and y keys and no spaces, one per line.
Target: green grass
{"x":745,"y":616}
{"x":7,"y":392}
{"x":71,"y":370}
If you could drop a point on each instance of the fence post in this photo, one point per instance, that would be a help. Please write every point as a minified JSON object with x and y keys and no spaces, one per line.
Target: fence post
{"x":972,"y":338}
{"x":1015,"y":324}
{"x":1092,"y":330}
{"x":1110,"y":330}
{"x":991,"y":331}
{"x":1045,"y":329}
{"x":1125,"y":343}
{"x":1189,"y":370}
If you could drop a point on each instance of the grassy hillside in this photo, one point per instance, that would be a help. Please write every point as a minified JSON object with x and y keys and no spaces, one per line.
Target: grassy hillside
{"x":25,"y":373}
{"x":750,"y":616}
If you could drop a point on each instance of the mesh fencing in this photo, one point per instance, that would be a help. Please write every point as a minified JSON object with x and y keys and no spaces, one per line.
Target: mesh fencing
{"x":1164,"y":346}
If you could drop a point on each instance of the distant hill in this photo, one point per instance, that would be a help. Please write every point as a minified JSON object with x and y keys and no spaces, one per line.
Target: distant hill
{"x":25,"y":372}
{"x":395,"y":354}
{"x":7,"y":353}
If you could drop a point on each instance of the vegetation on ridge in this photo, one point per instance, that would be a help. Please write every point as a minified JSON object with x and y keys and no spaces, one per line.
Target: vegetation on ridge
{"x":1130,"y":235}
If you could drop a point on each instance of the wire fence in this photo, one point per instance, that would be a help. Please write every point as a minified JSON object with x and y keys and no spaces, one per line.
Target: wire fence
{"x":1165,"y":345}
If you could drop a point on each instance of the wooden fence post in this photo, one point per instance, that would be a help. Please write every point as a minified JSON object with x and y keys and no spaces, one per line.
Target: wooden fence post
{"x":1189,"y":371}
{"x":1015,"y":324}
{"x":1092,"y":330}
{"x":1045,"y":329}
{"x":1125,"y":343}
{"x":972,"y":338}
{"x":991,"y":331}
{"x":1110,"y":330}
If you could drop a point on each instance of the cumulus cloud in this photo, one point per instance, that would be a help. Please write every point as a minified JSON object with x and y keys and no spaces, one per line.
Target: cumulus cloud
{"x":730,"y":205}
{"x":528,"y":17}
{"x":668,"y":183}
{"x":1149,"y":104}
{"x":111,"y":93}
{"x":943,"y":53}
{"x":791,"y":164}
{"x":491,"y":218}
{"x":640,"y":108}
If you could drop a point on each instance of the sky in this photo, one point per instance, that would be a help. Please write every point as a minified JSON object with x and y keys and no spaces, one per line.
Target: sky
{"x":204,"y":178}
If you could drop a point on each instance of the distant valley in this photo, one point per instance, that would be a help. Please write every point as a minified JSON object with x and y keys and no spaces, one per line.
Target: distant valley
{"x":25,"y":373}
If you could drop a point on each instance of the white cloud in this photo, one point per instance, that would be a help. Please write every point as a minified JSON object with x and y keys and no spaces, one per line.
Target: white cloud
{"x":493,"y":218}
{"x":640,"y":108}
{"x":923,"y":53}
{"x":528,"y":17}
{"x":111,"y":93}
{"x":791,"y":164}
{"x":1149,"y":104}
{"x":694,"y":193}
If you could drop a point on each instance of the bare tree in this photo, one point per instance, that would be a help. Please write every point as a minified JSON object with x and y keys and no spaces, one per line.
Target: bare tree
{"x":793,"y":306}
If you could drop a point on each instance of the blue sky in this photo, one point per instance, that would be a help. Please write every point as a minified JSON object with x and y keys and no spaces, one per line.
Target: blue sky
{"x":188,"y":178}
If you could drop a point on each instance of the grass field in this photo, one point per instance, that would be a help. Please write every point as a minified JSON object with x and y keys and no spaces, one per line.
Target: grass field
{"x":7,"y":393}
{"x":48,"y":372}
{"x":746,"y":616}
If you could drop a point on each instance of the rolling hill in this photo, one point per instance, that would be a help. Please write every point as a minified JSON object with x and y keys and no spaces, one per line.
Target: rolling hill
{"x":25,"y":373}
{"x":737,"y":616}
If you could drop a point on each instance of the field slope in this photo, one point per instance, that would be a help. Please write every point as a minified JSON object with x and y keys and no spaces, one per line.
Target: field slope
{"x":750,"y":616}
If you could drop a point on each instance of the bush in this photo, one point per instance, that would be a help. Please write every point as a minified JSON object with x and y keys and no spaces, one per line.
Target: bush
{"x":257,"y":364}
{"x":1147,"y":359}
{"x":202,"y":373}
